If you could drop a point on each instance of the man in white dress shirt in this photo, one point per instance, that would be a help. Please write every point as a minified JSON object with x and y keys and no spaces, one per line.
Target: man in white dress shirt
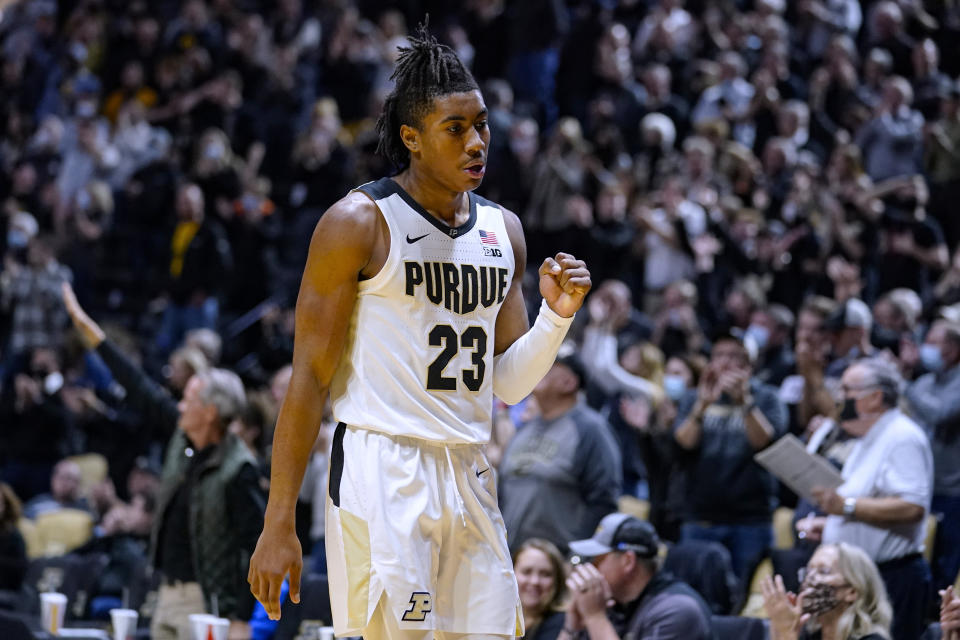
{"x":887,"y":486}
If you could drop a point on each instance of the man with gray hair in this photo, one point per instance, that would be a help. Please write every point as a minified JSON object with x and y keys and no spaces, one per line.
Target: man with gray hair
{"x":933,"y":400}
{"x":210,"y":505}
{"x":883,"y":502}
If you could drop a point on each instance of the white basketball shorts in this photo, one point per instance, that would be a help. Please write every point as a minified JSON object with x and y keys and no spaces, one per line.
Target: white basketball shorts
{"x":418,"y":522}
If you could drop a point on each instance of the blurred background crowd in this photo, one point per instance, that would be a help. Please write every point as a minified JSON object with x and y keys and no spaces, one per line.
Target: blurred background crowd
{"x":765,"y":192}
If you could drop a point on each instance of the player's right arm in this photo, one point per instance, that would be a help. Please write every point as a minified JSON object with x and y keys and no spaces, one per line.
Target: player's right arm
{"x":345,"y":243}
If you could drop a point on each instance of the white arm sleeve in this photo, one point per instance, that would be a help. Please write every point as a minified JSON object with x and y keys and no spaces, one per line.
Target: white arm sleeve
{"x":517,"y":370}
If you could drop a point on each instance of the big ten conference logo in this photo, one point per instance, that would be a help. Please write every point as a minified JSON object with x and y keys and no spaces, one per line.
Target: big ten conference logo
{"x":491,"y":251}
{"x":421,"y":603}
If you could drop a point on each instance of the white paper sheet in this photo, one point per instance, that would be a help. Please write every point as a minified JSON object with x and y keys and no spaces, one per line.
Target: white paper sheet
{"x":800,"y":470}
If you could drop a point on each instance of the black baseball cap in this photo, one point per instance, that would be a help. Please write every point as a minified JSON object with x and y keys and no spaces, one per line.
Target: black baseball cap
{"x":619,"y":532}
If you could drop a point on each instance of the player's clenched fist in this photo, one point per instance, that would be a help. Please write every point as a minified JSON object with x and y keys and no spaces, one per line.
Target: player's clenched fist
{"x":564,"y":283}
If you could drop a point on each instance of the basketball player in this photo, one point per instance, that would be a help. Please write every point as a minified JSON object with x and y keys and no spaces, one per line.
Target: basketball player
{"x":411,"y":316}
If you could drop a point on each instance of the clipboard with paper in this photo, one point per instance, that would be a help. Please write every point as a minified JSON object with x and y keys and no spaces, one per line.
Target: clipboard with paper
{"x":794,"y":466}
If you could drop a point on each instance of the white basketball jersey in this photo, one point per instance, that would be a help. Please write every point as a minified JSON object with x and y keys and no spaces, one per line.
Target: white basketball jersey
{"x":418,"y":360}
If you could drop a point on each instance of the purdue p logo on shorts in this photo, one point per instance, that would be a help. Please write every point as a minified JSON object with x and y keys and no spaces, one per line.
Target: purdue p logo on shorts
{"x":421,"y":603}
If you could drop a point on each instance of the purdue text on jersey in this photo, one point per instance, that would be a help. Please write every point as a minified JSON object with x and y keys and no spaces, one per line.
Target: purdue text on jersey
{"x":457,"y":287}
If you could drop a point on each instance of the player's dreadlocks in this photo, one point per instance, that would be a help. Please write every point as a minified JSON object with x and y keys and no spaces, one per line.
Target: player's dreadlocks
{"x":426,"y":69}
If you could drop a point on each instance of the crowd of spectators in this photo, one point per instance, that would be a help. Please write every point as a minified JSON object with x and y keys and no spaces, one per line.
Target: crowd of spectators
{"x":763,"y":190}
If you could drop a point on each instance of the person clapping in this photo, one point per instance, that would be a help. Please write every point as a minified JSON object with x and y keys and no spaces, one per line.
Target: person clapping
{"x":842,"y":597}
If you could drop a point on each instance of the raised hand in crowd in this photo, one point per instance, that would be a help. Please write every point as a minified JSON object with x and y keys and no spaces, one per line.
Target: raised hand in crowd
{"x":845,"y":277}
{"x":736,"y":384}
{"x":706,"y":247}
{"x":708,"y":389}
{"x":90,"y":332}
{"x":811,"y":360}
{"x":599,"y":311}
{"x":784,"y":609}
{"x":637,"y":412}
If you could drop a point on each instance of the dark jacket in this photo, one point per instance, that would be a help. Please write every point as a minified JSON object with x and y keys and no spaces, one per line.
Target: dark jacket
{"x":207,"y":265}
{"x":668,"y":609}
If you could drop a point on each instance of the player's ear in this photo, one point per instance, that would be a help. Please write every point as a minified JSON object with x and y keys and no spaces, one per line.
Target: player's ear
{"x":410,"y":137}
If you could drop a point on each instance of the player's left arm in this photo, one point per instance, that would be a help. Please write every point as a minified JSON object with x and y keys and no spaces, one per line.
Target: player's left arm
{"x":524,"y":354}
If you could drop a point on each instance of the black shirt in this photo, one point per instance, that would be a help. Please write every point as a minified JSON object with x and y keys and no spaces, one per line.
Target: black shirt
{"x":548,"y":629}
{"x":898,"y":270}
{"x":175,"y":558}
{"x":244,"y":503}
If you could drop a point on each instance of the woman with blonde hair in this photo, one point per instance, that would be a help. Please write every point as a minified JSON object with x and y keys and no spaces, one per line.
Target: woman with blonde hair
{"x":842,"y":597}
{"x":541,"y":578}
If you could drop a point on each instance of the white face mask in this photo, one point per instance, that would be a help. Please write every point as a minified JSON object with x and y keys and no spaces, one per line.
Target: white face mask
{"x":931,"y":357}
{"x":674,"y":386}
{"x":759,"y":335}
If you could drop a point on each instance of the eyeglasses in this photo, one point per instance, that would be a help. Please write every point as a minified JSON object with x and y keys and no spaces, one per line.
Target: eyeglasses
{"x":858,"y":391}
{"x":805,"y":573}
{"x":847,"y":389}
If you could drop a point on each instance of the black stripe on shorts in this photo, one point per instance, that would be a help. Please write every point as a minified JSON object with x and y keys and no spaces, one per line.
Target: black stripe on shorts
{"x":336,"y":463}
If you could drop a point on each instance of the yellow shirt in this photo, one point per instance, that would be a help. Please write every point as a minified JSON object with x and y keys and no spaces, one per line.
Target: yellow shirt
{"x":182,"y":237}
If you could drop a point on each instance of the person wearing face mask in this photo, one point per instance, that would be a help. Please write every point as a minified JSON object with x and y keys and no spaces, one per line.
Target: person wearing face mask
{"x":933,"y":400}
{"x":20,"y":230}
{"x":842,"y":597}
{"x":882,"y":504}
{"x":770,"y":329}
{"x":729,"y":497}
{"x":654,"y":437}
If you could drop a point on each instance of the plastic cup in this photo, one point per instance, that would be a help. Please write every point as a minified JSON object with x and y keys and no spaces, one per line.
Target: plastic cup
{"x":208,"y":627}
{"x":52,"y":608}
{"x":124,"y":623}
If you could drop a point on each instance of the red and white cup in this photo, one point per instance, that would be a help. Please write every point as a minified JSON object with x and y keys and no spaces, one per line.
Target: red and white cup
{"x":208,"y":627}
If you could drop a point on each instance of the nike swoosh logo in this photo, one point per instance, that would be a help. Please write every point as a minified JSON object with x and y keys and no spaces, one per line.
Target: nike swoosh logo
{"x":417,"y":239}
{"x":480,"y":473}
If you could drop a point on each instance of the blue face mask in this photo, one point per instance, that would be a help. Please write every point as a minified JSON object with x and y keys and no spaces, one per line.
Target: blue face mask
{"x":674,"y":386}
{"x":759,"y":335}
{"x":17,"y":239}
{"x":931,"y":358}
